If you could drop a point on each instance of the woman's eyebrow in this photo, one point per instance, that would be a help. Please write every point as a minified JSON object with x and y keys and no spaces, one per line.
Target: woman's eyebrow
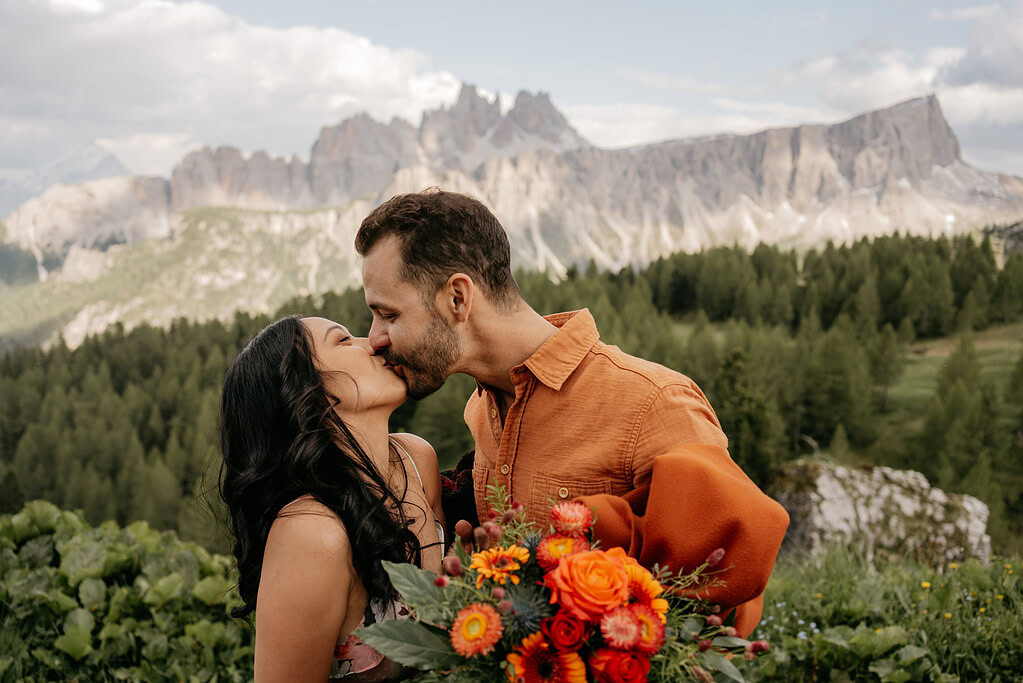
{"x":331,"y":329}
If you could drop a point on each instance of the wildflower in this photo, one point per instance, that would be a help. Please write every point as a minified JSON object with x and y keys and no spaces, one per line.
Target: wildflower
{"x":651,"y":629}
{"x":877,"y":630}
{"x":554,"y":547}
{"x":620,"y":628}
{"x":476,"y":630}
{"x":925,"y":584}
{"x":999,"y":597}
{"x":441,"y":582}
{"x":819,"y":596}
{"x":953,"y":565}
{"x":713,"y":620}
{"x":571,"y":518}
{"x":801,"y":635}
{"x":643,"y":587}
{"x":535,"y":661}
{"x":452,"y":565}
{"x":498,"y":564}
{"x":948,"y":615}
{"x":982,"y":610}
{"x":715,"y":557}
{"x":1008,"y":566}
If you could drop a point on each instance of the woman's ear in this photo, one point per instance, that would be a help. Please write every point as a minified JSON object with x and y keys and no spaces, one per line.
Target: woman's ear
{"x":458,"y":293}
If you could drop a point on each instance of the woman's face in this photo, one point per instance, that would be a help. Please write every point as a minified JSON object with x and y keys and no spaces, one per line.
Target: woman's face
{"x":360,"y":380}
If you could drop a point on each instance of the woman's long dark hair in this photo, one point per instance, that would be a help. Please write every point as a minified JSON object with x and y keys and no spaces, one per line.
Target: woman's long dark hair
{"x":280,"y":439}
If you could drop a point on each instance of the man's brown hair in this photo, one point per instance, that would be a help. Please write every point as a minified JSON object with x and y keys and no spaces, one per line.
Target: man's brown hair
{"x":441,"y":233}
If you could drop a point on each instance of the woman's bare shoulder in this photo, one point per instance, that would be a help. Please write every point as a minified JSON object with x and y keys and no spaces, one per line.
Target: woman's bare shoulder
{"x":309,"y":527}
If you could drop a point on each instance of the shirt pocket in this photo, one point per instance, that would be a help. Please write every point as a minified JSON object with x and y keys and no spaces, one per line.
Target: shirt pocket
{"x":547,"y":491}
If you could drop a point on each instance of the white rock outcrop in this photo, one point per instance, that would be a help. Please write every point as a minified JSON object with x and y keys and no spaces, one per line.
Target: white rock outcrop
{"x":880,"y":509}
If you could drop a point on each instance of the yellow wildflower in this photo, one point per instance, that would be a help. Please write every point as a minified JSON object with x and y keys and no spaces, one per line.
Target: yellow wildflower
{"x":999,"y":596}
{"x":1008,"y":566}
{"x":877,"y":630}
{"x":948,"y":615}
{"x":983,"y":609}
{"x":925,"y":584}
{"x":953,"y":565}
{"x":819,"y":596}
{"x":498,"y":564}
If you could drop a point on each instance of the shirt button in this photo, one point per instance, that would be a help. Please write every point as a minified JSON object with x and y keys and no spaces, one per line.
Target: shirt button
{"x":493,"y":412}
{"x":505,"y":469}
{"x":563,"y":492}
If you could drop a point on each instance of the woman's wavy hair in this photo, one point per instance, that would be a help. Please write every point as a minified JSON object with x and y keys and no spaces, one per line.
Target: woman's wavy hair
{"x":280,"y":438}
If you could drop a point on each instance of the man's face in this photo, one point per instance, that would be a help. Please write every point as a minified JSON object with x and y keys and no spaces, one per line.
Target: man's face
{"x":411,"y":334}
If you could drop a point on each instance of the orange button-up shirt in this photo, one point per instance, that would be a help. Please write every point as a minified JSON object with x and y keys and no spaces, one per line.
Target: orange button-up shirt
{"x":638,"y":443}
{"x":587,"y":419}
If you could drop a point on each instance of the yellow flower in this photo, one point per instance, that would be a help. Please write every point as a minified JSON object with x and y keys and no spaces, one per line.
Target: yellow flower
{"x":953,"y":565}
{"x":999,"y":596}
{"x":973,"y":594}
{"x":820,"y":595}
{"x":948,"y":615}
{"x":988,"y":601}
{"x":925,"y":584}
{"x":983,"y":609}
{"x":498,"y":564}
{"x":877,"y":630}
{"x":1008,"y":566}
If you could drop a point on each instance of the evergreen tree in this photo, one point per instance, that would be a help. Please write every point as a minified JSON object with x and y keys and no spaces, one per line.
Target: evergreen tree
{"x":887,"y":362}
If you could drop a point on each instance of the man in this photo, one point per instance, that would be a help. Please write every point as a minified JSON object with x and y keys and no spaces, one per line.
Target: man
{"x":558,"y":415}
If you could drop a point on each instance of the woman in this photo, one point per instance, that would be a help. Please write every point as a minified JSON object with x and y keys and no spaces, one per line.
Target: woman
{"x":319,"y":494}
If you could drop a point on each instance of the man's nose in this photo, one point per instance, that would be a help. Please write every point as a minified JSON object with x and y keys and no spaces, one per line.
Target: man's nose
{"x":378,"y":340}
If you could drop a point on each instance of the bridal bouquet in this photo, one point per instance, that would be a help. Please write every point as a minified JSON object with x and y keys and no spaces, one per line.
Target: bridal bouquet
{"x":519,"y":605}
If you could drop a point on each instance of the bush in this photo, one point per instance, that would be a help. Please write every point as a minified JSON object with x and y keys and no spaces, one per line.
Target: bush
{"x":107,"y":603}
{"x":894,"y":620}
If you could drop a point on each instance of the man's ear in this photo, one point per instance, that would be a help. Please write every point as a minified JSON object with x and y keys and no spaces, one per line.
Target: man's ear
{"x":458,"y":294}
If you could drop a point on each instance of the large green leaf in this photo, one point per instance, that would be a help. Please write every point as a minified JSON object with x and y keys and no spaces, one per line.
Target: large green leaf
{"x":412,"y":644}
{"x":92,"y":593}
{"x":205,"y":632}
{"x":76,"y":641}
{"x":212,"y":590}
{"x":82,"y":558}
{"x":715,"y":661}
{"x":417,"y":590}
{"x":80,"y":617}
{"x":164,"y":589}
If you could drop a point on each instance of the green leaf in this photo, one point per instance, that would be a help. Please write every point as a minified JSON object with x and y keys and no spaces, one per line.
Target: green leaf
{"x":412,"y":644}
{"x":891,"y":637}
{"x":48,"y":658}
{"x":900,"y":676}
{"x":883,"y":667}
{"x":110,"y":631}
{"x":715,"y":661}
{"x":164,"y":589}
{"x":414,"y":584}
{"x":76,"y":641}
{"x":205,"y":632}
{"x":92,"y":593}
{"x":5,"y":663}
{"x":44,"y":514}
{"x":729,"y":642}
{"x":212,"y":590}
{"x":79,"y":617}
{"x":911,"y":653}
{"x":692,"y":625}
{"x":82,"y":558}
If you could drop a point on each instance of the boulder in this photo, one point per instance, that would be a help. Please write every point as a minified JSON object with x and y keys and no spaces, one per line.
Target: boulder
{"x":879,"y":509}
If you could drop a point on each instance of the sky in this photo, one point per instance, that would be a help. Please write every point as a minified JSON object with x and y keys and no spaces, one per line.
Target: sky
{"x":151,"y":80}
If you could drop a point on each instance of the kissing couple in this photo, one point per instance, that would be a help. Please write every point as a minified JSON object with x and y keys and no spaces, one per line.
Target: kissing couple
{"x":320,"y":493}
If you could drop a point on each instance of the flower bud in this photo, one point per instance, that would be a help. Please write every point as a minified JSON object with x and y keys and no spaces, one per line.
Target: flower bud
{"x":463,"y":528}
{"x":713,"y":620}
{"x":749,"y":656}
{"x":491,"y":514}
{"x":705,"y":644}
{"x":760,"y":646}
{"x":499,"y":593}
{"x":441,"y":582}
{"x":482,"y":538}
{"x":508,"y":516}
{"x":452,"y":565}
{"x":730,"y":632}
{"x":702,"y":674}
{"x":493,"y":529}
{"x":715,"y":557}
{"x":517,"y":506}
{"x":504,"y":606}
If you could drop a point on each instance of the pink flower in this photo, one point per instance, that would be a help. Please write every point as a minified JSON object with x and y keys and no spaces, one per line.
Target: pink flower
{"x":620,"y":628}
{"x":713,"y":620}
{"x":571,"y":518}
{"x":715,"y":557}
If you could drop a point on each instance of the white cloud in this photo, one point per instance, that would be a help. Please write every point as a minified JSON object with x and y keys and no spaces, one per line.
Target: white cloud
{"x":964,"y":13}
{"x":995,"y":53}
{"x":150,"y":154}
{"x":160,"y":74}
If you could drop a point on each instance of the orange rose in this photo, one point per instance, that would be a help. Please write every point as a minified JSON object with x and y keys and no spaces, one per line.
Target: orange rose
{"x":588,"y":584}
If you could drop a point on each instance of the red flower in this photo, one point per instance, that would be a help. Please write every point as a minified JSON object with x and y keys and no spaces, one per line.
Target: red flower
{"x":616,"y":666}
{"x":565,"y":632}
{"x":651,"y":630}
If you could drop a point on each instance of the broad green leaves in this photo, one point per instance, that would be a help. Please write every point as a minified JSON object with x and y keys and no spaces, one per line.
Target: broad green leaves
{"x":412,"y":644}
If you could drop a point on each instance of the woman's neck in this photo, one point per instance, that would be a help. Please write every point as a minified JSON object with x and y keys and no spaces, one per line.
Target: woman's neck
{"x":370,"y":429}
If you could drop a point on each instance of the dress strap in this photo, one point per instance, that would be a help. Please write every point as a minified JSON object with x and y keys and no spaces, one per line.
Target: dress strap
{"x":409,"y":457}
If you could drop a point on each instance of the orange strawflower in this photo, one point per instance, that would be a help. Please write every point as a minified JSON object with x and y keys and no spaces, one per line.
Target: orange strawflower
{"x":651,"y":629}
{"x":588,"y":584}
{"x":571,"y":518}
{"x":557,"y":546}
{"x":498,"y":564}
{"x":476,"y":630}
{"x":643,"y":587}
{"x":535,"y":661}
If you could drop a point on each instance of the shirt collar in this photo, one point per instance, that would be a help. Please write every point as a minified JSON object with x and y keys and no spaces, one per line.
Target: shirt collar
{"x":559,"y":356}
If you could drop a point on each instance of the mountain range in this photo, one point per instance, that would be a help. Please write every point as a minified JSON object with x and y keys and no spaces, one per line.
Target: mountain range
{"x":284,"y":227}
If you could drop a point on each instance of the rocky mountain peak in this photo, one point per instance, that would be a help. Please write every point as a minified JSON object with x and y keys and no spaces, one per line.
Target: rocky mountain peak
{"x":537,"y":115}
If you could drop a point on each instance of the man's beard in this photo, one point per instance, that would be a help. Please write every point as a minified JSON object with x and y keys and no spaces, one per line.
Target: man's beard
{"x":426,"y":366}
